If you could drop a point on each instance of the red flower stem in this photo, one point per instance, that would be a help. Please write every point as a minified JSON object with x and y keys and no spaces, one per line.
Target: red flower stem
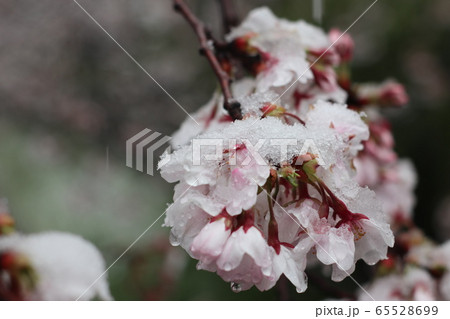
{"x":273,"y":239}
{"x":295,"y":117}
{"x":230,"y":104}
{"x":277,"y":189}
{"x":325,"y":187}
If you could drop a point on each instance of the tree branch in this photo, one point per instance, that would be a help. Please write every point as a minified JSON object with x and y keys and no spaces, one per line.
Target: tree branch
{"x":283,"y":288}
{"x":230,"y":104}
{"x":229,"y":16}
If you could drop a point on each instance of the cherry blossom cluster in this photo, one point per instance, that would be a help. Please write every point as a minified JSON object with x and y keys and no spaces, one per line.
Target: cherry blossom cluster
{"x":378,"y":165}
{"x":417,"y":269}
{"x":254,"y":216}
{"x":49,"y":266}
{"x":287,"y":185}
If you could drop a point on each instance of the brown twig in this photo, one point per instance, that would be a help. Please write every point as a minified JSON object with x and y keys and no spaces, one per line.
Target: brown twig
{"x":230,"y":104}
{"x":229,"y":16}
{"x":283,"y":289}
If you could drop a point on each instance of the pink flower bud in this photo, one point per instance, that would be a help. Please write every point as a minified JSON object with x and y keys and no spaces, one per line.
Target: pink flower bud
{"x":325,"y":78}
{"x":393,"y":94}
{"x":327,"y":56}
{"x":344,"y":45}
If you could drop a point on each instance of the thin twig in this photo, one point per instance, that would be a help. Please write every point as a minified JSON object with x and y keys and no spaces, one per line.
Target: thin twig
{"x":230,"y":104}
{"x":283,"y":289}
{"x":229,"y":16}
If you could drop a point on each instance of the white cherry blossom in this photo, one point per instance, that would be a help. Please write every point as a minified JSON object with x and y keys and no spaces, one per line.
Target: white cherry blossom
{"x":62,"y":266}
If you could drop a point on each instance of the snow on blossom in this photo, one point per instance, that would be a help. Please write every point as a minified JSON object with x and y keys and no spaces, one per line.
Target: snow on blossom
{"x":212,"y":115}
{"x":262,"y":20}
{"x":285,"y":186}
{"x":286,"y":63}
{"x":347,"y":123}
{"x":251,"y":139}
{"x":221,"y":216}
{"x":299,"y":98}
{"x":53,"y":266}
{"x":290,"y":51}
{"x":286,"y":51}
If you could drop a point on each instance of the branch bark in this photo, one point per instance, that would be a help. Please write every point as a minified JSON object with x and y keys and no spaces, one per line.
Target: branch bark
{"x":283,"y":289}
{"x":229,"y":16}
{"x":207,"y":48}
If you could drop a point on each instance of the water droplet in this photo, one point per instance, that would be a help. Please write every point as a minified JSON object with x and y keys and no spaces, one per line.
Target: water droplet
{"x":174,"y":240}
{"x":236,"y":287}
{"x":227,"y":267}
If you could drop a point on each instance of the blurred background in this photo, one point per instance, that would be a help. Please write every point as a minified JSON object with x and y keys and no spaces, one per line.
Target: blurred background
{"x":70,"y":98}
